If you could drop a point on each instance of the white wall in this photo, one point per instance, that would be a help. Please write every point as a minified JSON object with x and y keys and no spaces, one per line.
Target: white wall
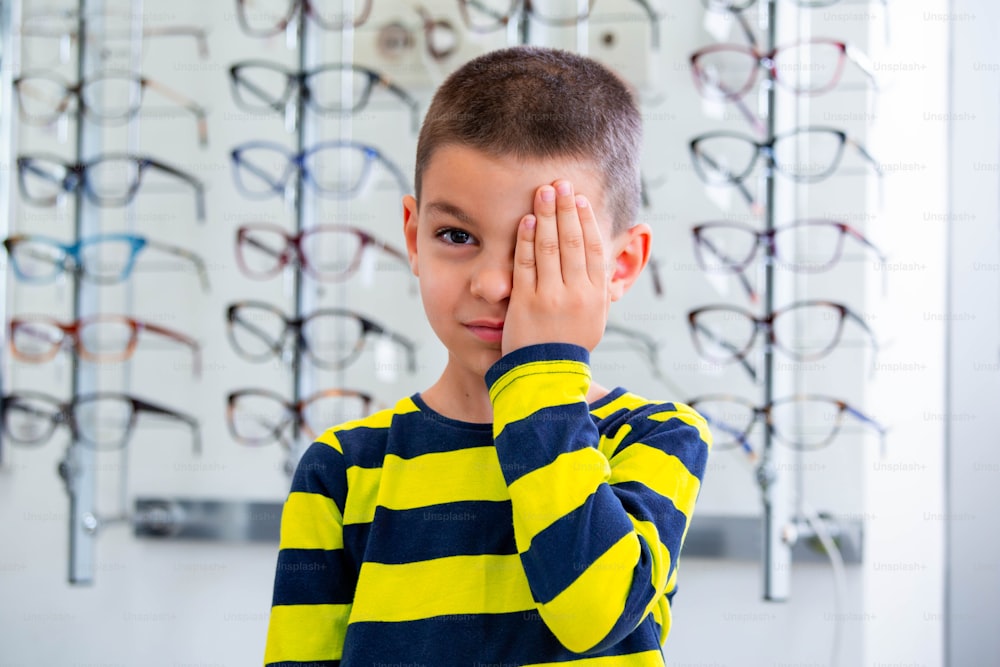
{"x":974,"y":360}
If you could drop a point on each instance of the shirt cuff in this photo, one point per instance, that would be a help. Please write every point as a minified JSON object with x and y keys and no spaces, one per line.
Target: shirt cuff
{"x":535,"y":353}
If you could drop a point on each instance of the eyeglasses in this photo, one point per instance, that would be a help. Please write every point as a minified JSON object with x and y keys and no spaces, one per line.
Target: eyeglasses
{"x":258,"y":85}
{"x":803,"y":246}
{"x":805,"y":422}
{"x":105,"y":259}
{"x":805,"y":155}
{"x":804,"y":330}
{"x":332,"y":337}
{"x":102,"y":421}
{"x":111,"y":179}
{"x":337,"y":169}
{"x":329,"y":253}
{"x":61,"y":25}
{"x":737,"y":7}
{"x":808,"y":67}
{"x":489,"y":15}
{"x":265,"y":18}
{"x":259,"y":416}
{"x":635,"y":339}
{"x":97,"y":338}
{"x":110,"y":97}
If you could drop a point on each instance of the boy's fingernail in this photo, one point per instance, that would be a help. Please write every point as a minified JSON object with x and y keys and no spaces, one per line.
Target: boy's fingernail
{"x":548,"y":194}
{"x":564,"y":188}
{"x":581,"y":201}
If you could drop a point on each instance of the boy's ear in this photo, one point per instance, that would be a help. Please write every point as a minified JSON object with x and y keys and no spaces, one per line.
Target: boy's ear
{"x":631,"y":248}
{"x":410,"y":230}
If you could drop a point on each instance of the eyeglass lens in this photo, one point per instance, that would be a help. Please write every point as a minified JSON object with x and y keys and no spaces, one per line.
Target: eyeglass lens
{"x":103,"y":337}
{"x":730,"y":71}
{"x":329,"y":254}
{"x":806,"y":155}
{"x":807,"y":246}
{"x":332,"y":338}
{"x":104,"y":260}
{"x":803,"y":422}
{"x":805,"y":332}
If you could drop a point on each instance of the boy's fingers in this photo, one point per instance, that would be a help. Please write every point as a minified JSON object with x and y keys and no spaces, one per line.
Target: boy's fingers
{"x":571,"y":249}
{"x":546,"y":237}
{"x":524,"y":256}
{"x":592,"y":242}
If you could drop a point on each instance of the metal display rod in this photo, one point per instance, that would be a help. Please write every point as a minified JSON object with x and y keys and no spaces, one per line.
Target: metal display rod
{"x":78,"y":467}
{"x":774,"y":486}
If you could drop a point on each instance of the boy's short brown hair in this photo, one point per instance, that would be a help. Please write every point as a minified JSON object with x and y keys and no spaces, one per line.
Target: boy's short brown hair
{"x":535,"y":103}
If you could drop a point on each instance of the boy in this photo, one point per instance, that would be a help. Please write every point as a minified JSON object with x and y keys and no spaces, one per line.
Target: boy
{"x":514,"y":513}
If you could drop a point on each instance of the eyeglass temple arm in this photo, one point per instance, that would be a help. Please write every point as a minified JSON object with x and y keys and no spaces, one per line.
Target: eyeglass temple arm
{"x":199,"y":264}
{"x":744,"y":281}
{"x":871,"y":333}
{"x":864,"y":63}
{"x":501,"y":19}
{"x":882,"y":430}
{"x":199,"y":188}
{"x":184,"y":102}
{"x":396,"y":172}
{"x":654,"y":272}
{"x":239,"y":163}
{"x":260,"y":333}
{"x":737,"y":183}
{"x":654,"y":22}
{"x":173,"y":414}
{"x":199,"y":35}
{"x":730,"y":347}
{"x":177,"y":336}
{"x":24,"y":90}
{"x":862,"y":239}
{"x":737,"y":434}
{"x":407,"y":99}
{"x":250,"y":85}
{"x":744,"y":25}
{"x":67,"y":262}
{"x":652,"y":348}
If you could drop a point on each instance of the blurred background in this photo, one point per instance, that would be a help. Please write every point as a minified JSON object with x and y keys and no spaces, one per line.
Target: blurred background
{"x":203,"y":269}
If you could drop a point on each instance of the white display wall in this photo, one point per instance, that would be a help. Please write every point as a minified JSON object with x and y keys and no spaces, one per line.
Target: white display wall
{"x":205,"y":602}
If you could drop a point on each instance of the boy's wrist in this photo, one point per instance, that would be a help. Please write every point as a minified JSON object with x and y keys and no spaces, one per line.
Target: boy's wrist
{"x":535,"y":353}
{"x":544,"y":373}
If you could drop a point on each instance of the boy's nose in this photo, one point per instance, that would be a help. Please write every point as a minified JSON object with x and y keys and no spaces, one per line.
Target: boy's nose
{"x":491,"y":281}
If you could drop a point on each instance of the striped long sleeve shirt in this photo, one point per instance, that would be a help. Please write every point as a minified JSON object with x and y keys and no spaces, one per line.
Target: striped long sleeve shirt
{"x":550,"y":536}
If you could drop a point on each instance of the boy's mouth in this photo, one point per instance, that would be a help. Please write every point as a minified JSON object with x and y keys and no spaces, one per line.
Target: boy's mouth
{"x":490,"y":331}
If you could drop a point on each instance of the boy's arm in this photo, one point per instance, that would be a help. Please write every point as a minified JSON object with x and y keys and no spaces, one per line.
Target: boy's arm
{"x":599,"y":537}
{"x":314,"y":582}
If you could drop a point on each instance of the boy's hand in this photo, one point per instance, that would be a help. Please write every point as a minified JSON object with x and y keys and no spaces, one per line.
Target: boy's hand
{"x":559,"y":292}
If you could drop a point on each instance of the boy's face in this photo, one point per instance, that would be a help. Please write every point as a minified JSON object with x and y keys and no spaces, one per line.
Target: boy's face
{"x":461,"y":241}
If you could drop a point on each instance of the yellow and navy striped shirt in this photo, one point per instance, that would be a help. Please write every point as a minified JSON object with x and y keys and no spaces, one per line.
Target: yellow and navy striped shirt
{"x":551,"y":536}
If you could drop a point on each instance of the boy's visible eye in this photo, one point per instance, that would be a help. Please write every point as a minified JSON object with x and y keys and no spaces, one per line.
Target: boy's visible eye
{"x":455,"y":236}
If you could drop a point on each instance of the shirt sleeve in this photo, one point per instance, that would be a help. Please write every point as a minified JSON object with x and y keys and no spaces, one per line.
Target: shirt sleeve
{"x":598,"y":525}
{"x":313,"y":583}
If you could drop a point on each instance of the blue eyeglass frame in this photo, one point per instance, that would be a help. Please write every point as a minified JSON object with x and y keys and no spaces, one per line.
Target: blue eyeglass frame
{"x":297,"y":162}
{"x":71,"y":262}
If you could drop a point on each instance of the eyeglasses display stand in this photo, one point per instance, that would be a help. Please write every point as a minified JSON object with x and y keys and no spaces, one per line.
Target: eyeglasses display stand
{"x":780,"y":536}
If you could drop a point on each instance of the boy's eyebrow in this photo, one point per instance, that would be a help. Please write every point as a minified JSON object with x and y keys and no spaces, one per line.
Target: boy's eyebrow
{"x":449,"y":209}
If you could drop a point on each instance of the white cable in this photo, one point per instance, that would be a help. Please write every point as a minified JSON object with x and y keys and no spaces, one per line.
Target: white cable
{"x":818,"y":525}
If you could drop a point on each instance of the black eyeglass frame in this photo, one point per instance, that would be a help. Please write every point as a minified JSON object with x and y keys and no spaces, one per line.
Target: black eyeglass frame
{"x":295,"y":326}
{"x":63,"y":413}
{"x":75,"y":178}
